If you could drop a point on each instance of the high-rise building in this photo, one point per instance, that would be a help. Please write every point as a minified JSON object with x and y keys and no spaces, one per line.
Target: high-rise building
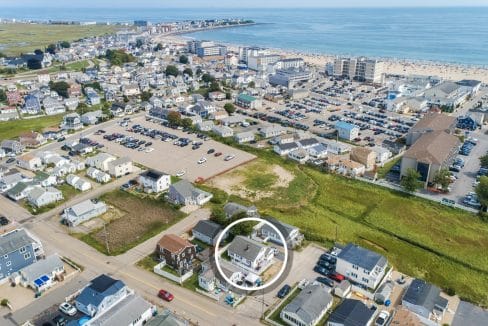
{"x":360,"y":69}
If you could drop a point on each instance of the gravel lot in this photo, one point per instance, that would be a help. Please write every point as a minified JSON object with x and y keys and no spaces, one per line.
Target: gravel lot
{"x":172,"y":159}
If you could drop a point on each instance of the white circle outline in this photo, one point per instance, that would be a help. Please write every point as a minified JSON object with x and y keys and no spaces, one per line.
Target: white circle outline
{"x":217,"y":246}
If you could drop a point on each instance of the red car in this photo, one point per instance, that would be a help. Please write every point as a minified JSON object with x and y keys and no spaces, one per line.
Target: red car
{"x":217,"y":154}
{"x":165,"y":295}
{"x":337,"y":277}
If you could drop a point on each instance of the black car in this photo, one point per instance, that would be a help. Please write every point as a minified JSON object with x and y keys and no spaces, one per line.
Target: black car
{"x":283,"y":292}
{"x":59,"y":320}
{"x":211,"y":151}
{"x":323,"y":263}
{"x":3,"y":220}
{"x":321,"y":270}
{"x":325,"y":280}
{"x":10,"y":160}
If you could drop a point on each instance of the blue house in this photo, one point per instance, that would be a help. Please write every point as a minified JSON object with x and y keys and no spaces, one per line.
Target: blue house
{"x":32,"y":105}
{"x":466,"y":123}
{"x":17,"y":250}
{"x":347,"y":131}
{"x":101,"y":294}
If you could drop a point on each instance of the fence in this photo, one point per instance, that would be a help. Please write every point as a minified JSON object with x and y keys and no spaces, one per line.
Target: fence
{"x":158,"y":269}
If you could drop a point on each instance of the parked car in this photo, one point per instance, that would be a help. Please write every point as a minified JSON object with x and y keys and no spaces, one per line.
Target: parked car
{"x":165,"y":295}
{"x":59,"y":320}
{"x":448,"y":202}
{"x":217,"y":154}
{"x":202,"y":160}
{"x":3,"y":220}
{"x":211,"y":151}
{"x":229,"y":157}
{"x":283,"y":292}
{"x":337,"y":277}
{"x":321,"y":270}
{"x":67,"y":309}
{"x":180,"y":173}
{"x":382,"y":318}
{"x":326,"y":281}
{"x":10,"y":160}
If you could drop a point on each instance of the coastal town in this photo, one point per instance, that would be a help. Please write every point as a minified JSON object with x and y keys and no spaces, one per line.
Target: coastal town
{"x":148,"y":178}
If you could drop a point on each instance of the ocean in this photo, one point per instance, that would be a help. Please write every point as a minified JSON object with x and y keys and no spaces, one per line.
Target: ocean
{"x":453,"y":35}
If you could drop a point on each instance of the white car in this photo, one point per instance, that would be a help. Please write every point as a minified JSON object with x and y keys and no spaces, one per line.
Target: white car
{"x":181,"y":173}
{"x":229,"y":157}
{"x":149,"y":150}
{"x":68,"y":309}
{"x":202,"y":160}
{"x":382,"y":318}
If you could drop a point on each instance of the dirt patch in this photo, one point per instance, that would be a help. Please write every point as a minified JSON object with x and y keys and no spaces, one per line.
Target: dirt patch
{"x":254,"y":181}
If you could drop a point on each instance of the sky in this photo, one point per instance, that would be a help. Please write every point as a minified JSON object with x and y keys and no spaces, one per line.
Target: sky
{"x":241,"y":4}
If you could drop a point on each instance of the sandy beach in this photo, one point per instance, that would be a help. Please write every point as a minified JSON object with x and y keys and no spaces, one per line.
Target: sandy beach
{"x":392,"y":66}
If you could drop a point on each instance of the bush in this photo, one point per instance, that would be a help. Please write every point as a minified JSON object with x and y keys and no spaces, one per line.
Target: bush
{"x":4,"y":303}
{"x":450,"y":292}
{"x":219,"y":196}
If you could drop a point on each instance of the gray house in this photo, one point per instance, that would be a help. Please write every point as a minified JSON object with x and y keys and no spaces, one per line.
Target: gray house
{"x":249,"y":254}
{"x":207,"y":231}
{"x":351,"y":313}
{"x":291,"y":233}
{"x":12,"y":146}
{"x":83,"y":211}
{"x":308,"y":308}
{"x":184,"y":193}
{"x":424,"y":300}
{"x":18,"y":249}
{"x":232,"y":209}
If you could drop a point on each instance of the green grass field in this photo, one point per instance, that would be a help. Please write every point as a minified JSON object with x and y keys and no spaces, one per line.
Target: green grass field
{"x":419,"y":237}
{"x":12,"y":129}
{"x":23,"y":38}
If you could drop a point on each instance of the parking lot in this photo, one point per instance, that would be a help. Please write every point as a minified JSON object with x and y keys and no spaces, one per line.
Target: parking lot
{"x":188,"y":161}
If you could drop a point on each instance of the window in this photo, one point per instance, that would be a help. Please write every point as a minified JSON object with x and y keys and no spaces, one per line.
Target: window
{"x":354,"y":275}
{"x":5,"y":256}
{"x":27,"y":256}
{"x":22,"y":250}
{"x":366,"y":272}
{"x":365,"y":280}
{"x":355,"y":267}
{"x":8,"y":263}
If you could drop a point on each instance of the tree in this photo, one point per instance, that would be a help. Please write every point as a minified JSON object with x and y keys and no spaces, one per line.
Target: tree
{"x":214,"y":87}
{"x":484,"y":161}
{"x":410,"y":181}
{"x":2,"y":55}
{"x":230,"y":108}
{"x":158,"y":47}
{"x":443,"y":178}
{"x":51,"y":48}
{"x":34,"y":64}
{"x":183,"y":59}
{"x":218,"y":215}
{"x":38,"y":52}
{"x":251,"y":84}
{"x":146,"y":95}
{"x":186,"y":123}
{"x":174,"y":118}
{"x":199,"y":71}
{"x":228,"y":96}
{"x":139,"y":43}
{"x":95,"y":85}
{"x":171,"y":71}
{"x":3,"y":95}
{"x":188,"y":71}
{"x":118,"y":57}
{"x":482,"y":191}
{"x":207,"y":78}
{"x":65,"y":44}
{"x":60,"y":87}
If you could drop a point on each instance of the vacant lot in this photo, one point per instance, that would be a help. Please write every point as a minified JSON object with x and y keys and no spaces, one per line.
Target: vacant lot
{"x":140,"y":220}
{"x":12,"y":129}
{"x":420,"y":238}
{"x":22,"y":38}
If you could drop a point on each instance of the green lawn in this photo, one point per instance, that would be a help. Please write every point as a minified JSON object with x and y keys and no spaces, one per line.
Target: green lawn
{"x":383,"y":171}
{"x":12,"y":129}
{"x":21,"y":38}
{"x":74,"y":66}
{"x":419,"y":237}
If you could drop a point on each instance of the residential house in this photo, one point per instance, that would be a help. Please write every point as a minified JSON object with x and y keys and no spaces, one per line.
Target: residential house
{"x":99,"y":176}
{"x":10,"y":179}
{"x":308,"y":307}
{"x":300,"y":155}
{"x":337,"y":147}
{"x":32,"y":105}
{"x":207,"y":231}
{"x":12,"y":146}
{"x":78,"y":183}
{"x":382,"y":154}
{"x":285,"y":149}
{"x":244,"y":137}
{"x":53,"y":106}
{"x":100,"y":295}
{"x":216,"y":96}
{"x":91,"y":118}
{"x":351,"y":313}
{"x":40,"y":197}
{"x":431,"y":122}
{"x":18,"y":249}
{"x":184,"y":193}
{"x":92,"y":96}
{"x":83,"y":212}
{"x":361,"y":266}
{"x":204,"y":109}
{"x":8,"y":113}
{"x":14,"y":98}
{"x":347,"y":130}
{"x":120,"y":167}
{"x":167,"y":318}
{"x":100,"y":161}
{"x":223,"y":131}
{"x":231,"y":209}
{"x":250,"y":255}
{"x":41,"y":274}
{"x":271,"y":131}
{"x":155,"y":181}
{"x":248,"y":102}
{"x":292,"y":235}
{"x":424,"y":300}
{"x":318,"y":151}
{"x":20,"y":190}
{"x":205,"y":125}
{"x":71,"y":121}
{"x":176,"y":252}
{"x":44,"y":179}
{"x":32,"y":139}
{"x":365,"y":156}
{"x":29,"y":162}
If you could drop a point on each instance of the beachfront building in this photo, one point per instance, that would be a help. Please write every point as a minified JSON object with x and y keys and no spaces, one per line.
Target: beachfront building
{"x":360,"y":69}
{"x":289,"y":77}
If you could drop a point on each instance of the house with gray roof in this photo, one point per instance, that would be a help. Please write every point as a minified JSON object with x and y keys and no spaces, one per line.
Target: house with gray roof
{"x":424,"y":300}
{"x":207,"y":231}
{"x":40,"y":275}
{"x":40,"y":196}
{"x":291,"y":233}
{"x":308,"y":307}
{"x":100,"y":295}
{"x":167,"y":318}
{"x":83,"y":211}
{"x":184,"y":193}
{"x":18,"y":249}
{"x":351,"y":313}
{"x":231,"y":209}
{"x":250,"y":255}
{"x":361,"y":266}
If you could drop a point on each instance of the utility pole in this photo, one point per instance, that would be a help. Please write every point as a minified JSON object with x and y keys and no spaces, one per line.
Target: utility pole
{"x":106,"y":237}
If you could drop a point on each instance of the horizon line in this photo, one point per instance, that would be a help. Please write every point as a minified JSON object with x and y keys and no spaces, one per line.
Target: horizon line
{"x":256,"y":7}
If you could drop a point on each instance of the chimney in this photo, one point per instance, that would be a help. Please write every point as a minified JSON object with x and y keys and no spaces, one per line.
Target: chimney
{"x":247,"y":248}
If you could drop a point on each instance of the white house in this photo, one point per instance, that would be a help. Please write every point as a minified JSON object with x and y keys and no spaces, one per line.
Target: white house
{"x":44,"y":196}
{"x":155,"y":181}
{"x":120,"y":167}
{"x":223,"y":131}
{"x":78,"y":183}
{"x":100,"y":161}
{"x":40,"y":275}
{"x":83,"y":211}
{"x":272,"y":131}
{"x":244,"y":137}
{"x":29,"y":162}
{"x":346,"y":130}
{"x":99,"y":176}
{"x":250,"y":255}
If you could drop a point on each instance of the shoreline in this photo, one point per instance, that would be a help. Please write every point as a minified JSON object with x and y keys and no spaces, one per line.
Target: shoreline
{"x":392,"y":66}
